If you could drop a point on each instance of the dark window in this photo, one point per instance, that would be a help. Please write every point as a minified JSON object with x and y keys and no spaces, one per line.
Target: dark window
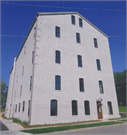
{"x":78,"y":37}
{"x":23,"y":107}
{"x":79,"y":61}
{"x":87,"y":107}
{"x":73,"y":19}
{"x":57,"y":82}
{"x":16,"y":108}
{"x":19,"y":107}
{"x":98,"y":64}
{"x":29,"y":108}
{"x":110,"y":107}
{"x":95,"y":43}
{"x":24,"y":49}
{"x":57,"y":31}
{"x":101,"y":87}
{"x":80,"y":22}
{"x":22,"y":70}
{"x":74,"y":107}
{"x":32,"y":56}
{"x":21,"y":91}
{"x":53,"y":108}
{"x":81,"y":84}
{"x":30,"y":82}
{"x":57,"y":56}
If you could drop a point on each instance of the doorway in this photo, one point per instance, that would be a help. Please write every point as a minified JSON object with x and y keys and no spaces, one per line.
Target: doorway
{"x":99,"y":110}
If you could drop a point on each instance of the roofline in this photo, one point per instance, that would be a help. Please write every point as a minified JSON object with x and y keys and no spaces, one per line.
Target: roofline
{"x":11,"y":69}
{"x":27,"y":35}
{"x":62,"y":13}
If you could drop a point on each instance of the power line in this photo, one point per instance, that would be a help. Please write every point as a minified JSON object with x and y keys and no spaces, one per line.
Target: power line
{"x":58,"y":7}
{"x":11,"y":36}
{"x":25,"y":36}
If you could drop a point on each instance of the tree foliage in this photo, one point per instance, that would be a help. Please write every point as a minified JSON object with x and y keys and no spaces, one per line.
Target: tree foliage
{"x":3,"y":88}
{"x":120,"y":82}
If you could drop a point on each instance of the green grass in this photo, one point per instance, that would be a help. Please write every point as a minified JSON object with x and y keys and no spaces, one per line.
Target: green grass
{"x":61,"y":128}
{"x":124,"y":120}
{"x":122,"y":109}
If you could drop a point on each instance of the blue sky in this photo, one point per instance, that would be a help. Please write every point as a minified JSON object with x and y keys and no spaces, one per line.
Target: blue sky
{"x":17,"y":18}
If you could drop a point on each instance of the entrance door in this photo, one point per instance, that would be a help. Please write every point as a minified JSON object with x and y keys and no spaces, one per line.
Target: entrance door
{"x":99,"y":110}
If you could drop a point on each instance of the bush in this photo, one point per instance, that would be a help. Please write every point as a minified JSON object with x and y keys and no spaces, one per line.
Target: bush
{"x":25,"y":123}
{"x":4,"y":116}
{"x":16,"y":120}
{"x":19,"y":121}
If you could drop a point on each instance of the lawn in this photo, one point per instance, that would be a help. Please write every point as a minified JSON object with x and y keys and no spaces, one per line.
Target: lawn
{"x":61,"y":128}
{"x":122,"y":109}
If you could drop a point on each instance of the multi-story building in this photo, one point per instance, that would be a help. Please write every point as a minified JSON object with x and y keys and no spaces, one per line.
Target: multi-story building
{"x":63,"y":73}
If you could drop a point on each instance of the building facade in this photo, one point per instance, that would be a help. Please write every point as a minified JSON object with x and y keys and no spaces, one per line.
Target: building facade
{"x":63,"y":73}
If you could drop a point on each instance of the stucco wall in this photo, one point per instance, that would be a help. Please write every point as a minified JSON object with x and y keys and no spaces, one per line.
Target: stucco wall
{"x":45,"y":70}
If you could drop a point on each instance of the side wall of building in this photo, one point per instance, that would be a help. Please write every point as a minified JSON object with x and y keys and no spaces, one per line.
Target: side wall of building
{"x":8,"y":109}
{"x":23,"y":75}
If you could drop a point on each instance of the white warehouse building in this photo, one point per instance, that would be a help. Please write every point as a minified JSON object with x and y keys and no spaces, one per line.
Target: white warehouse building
{"x":63,"y":73}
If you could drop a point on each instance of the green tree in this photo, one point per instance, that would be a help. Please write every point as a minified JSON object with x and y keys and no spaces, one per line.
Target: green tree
{"x":3,"y":91}
{"x":120,"y":83}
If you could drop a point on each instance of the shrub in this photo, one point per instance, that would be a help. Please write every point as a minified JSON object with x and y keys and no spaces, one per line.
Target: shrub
{"x":25,"y":123}
{"x":16,"y":120}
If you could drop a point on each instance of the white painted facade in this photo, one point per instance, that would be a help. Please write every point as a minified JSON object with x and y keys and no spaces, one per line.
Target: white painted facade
{"x":42,"y":40}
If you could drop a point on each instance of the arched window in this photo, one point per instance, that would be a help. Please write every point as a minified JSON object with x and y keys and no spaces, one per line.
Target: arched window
{"x":74,"y":107}
{"x":101,"y":86}
{"x":57,"y":82}
{"x":57,"y":56}
{"x":87,"y":107}
{"x":98,"y":64}
{"x":110,"y":107}
{"x":53,"y":108}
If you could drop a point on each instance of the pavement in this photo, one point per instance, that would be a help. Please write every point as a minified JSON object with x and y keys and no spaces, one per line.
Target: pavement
{"x":8,"y":127}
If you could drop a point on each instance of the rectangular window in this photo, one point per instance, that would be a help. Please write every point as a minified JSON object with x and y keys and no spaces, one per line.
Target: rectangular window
{"x":73,"y":19}
{"x":95,"y":43}
{"x":19,"y":107}
{"x":110,"y":107}
{"x":79,"y":60}
{"x":87,"y":108}
{"x":74,"y":107}
{"x":16,"y":108}
{"x":57,"y":31}
{"x":80,"y":22}
{"x":32,"y":56}
{"x":53,"y":108}
{"x":24,"y":49}
{"x":58,"y":82}
{"x":81,"y":84}
{"x":77,"y":37}
{"x":29,"y":108}
{"x":30,"y":82}
{"x":101,"y":87}
{"x":21,"y":91}
{"x":22,"y":70}
{"x":98,"y":64}
{"x":57,"y":56}
{"x":23,"y":108}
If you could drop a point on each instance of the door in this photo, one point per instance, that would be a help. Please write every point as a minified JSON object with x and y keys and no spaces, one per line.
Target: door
{"x":99,"y":110}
